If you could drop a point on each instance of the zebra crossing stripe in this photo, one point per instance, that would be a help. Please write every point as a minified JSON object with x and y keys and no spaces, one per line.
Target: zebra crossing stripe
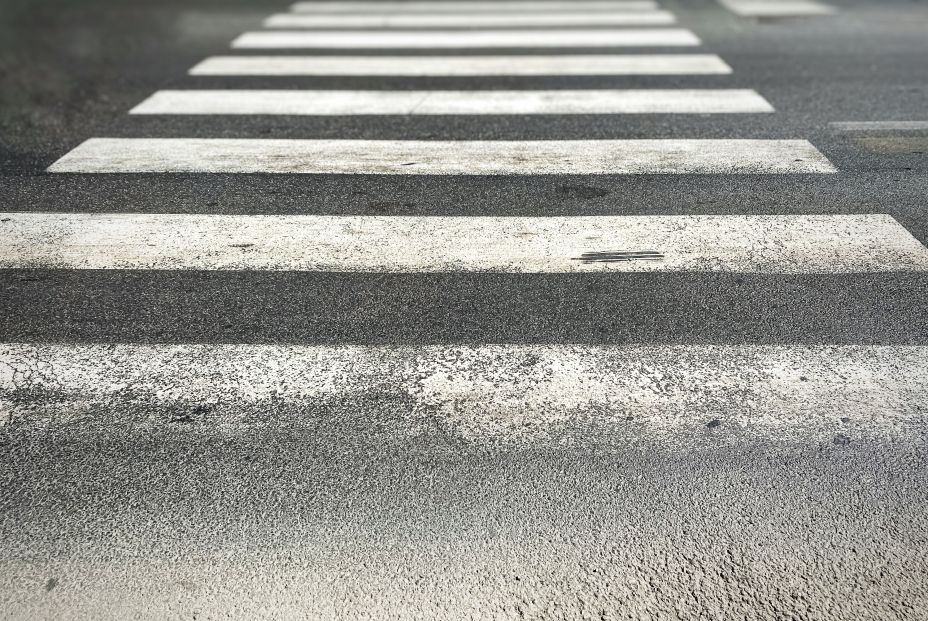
{"x":653,"y":101}
{"x":433,"y":157}
{"x":777,"y":8}
{"x":474,"y":6}
{"x":614,"y":64}
{"x":864,"y":126}
{"x":506,"y":391}
{"x":438,"y":39}
{"x":442,"y":20}
{"x":776,"y":244}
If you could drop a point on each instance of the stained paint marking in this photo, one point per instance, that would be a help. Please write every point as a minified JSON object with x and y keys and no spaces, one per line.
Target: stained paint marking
{"x":502,"y":392}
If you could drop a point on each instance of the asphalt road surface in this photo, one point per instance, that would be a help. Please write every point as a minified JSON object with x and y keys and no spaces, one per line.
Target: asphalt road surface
{"x":464,"y":311}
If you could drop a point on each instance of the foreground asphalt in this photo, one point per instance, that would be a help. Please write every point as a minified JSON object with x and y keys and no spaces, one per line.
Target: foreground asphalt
{"x":373,"y":501}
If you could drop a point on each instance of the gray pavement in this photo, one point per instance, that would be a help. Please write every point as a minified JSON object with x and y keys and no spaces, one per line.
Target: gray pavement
{"x":147,"y":505}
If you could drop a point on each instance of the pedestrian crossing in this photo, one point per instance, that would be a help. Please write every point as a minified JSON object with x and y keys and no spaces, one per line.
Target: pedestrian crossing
{"x":508,"y":383}
{"x":423,"y":331}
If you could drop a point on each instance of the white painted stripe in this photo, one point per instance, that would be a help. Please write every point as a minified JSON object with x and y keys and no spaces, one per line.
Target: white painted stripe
{"x":852,"y":126}
{"x":478,"y":6}
{"x":634,"y":64}
{"x":777,"y":8}
{"x":445,"y":20}
{"x":294,"y":102}
{"x":436,"y":39}
{"x":791,"y":244}
{"x":893,"y":144}
{"x":508,"y":392}
{"x":432,"y":157}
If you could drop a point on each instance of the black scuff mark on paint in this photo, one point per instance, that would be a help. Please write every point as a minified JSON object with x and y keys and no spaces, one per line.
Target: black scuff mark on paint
{"x":241,"y":245}
{"x":619,"y":256}
{"x":50,"y":584}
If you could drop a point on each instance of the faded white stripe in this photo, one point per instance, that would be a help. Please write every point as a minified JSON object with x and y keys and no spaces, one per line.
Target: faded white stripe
{"x":777,"y":8}
{"x":444,"y":20}
{"x":486,"y":6}
{"x":432,"y":157}
{"x":501,"y":392}
{"x":756,"y":244}
{"x":880,"y":125}
{"x":453,"y":102}
{"x":637,"y":64}
{"x":437,"y":39}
